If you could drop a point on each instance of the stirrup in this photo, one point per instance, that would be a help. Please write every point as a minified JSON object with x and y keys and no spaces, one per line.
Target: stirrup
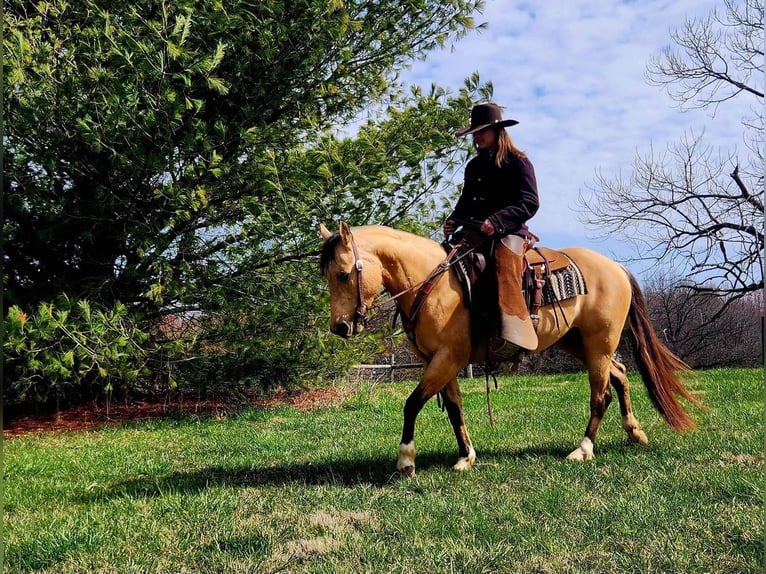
{"x":506,"y":350}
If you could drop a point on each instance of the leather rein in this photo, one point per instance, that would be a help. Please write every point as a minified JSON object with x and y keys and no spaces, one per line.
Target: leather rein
{"x":424,"y":289}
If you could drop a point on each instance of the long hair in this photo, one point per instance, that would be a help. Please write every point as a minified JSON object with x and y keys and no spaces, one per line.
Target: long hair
{"x":506,"y":147}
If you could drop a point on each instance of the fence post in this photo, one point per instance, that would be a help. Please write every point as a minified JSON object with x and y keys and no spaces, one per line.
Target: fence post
{"x":392,"y":368}
{"x":469,"y":371}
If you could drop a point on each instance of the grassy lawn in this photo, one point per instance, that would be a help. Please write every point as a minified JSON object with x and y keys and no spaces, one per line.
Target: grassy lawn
{"x":285,"y":491}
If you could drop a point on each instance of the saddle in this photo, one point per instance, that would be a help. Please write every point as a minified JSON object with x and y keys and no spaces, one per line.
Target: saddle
{"x":549,"y":277}
{"x":550,"y":258}
{"x":541,"y":264}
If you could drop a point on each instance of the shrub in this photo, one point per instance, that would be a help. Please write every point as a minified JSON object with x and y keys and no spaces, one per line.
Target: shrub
{"x":67,"y":349}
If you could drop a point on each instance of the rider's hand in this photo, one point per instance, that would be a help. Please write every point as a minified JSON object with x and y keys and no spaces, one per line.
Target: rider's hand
{"x":449,"y":227}
{"x":487,"y":228}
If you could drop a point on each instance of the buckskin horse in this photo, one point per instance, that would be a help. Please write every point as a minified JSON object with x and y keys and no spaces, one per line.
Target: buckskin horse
{"x":358,"y":263}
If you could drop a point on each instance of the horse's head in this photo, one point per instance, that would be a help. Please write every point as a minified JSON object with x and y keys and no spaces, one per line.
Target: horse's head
{"x":354,"y":278}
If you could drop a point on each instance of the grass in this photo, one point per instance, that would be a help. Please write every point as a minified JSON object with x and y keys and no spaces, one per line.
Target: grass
{"x":284,"y":491}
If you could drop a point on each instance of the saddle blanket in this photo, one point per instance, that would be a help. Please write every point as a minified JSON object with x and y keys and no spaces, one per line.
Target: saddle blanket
{"x":563,"y":284}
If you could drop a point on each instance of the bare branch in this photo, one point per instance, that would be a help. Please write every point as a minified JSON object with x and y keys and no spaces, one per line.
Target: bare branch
{"x":745,"y":192}
{"x":685,"y":207}
{"x":716,"y":60}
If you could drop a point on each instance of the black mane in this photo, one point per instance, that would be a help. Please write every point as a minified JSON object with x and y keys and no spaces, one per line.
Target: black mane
{"x":328,"y":252}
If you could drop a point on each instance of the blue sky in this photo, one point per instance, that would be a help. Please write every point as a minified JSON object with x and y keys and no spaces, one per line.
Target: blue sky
{"x":572,"y":72}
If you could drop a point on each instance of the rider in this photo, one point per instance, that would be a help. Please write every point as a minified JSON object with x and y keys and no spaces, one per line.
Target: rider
{"x":500,"y":192}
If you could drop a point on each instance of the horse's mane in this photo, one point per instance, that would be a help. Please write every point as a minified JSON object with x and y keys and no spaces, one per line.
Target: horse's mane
{"x":327,"y":255}
{"x":328,"y":252}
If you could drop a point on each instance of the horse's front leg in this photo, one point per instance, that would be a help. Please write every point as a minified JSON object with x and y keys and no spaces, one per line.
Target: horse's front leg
{"x":405,"y":464}
{"x":438,"y":373}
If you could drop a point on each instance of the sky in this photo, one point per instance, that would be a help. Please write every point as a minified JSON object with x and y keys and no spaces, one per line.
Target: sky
{"x":572,"y":72}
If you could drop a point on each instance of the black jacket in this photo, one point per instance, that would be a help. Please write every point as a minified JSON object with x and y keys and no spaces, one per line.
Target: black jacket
{"x":505,"y":195}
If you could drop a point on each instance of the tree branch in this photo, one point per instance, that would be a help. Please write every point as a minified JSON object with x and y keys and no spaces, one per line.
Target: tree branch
{"x":754,"y":201}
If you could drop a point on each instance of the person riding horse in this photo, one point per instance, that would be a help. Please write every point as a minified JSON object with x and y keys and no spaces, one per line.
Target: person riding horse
{"x":360,"y":263}
{"x":500,"y":191}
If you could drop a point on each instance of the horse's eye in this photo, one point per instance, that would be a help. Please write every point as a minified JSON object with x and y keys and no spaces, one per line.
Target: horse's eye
{"x":344,"y":277}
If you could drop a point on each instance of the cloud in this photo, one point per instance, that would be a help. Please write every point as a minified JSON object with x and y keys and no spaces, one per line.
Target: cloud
{"x":573,"y":74}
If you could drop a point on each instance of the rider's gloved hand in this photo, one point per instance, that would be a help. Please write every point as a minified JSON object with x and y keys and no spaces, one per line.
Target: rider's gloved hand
{"x":449,"y":227}
{"x":487,"y":228}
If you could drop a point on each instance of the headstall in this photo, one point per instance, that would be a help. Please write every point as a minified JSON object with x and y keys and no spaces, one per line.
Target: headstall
{"x":361,"y":308}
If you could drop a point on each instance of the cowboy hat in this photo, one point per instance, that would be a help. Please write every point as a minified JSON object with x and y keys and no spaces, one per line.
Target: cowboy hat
{"x":483,"y":116}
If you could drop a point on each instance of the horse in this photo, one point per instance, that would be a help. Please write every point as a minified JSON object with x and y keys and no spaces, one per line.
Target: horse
{"x":359,"y":263}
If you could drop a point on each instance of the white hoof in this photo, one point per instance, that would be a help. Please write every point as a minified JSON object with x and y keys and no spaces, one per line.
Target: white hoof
{"x":583,"y":452}
{"x":465,"y":462}
{"x":635,"y":434}
{"x":579,"y":455}
{"x":405,"y":464}
{"x":639,"y":437}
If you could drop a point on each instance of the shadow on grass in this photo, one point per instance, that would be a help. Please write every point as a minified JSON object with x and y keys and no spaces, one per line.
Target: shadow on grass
{"x":372,"y":471}
{"x":551,"y":450}
{"x":606,"y":451}
{"x":349,"y":473}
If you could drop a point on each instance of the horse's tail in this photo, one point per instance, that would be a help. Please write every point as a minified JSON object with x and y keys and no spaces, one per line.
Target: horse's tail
{"x":658,"y":365}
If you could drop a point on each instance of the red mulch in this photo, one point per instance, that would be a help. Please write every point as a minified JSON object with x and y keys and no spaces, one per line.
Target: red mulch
{"x":94,"y":416}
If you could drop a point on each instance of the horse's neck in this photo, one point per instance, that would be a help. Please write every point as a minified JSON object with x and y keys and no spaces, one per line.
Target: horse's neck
{"x":400,"y":275}
{"x":406,"y":260}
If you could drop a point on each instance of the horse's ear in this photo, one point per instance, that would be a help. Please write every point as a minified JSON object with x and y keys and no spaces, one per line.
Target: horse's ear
{"x":324,"y":232}
{"x":345,"y":233}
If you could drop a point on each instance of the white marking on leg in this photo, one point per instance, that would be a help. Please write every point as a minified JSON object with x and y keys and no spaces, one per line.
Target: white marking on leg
{"x":406,"y":461}
{"x":465,"y":462}
{"x":583,"y":452}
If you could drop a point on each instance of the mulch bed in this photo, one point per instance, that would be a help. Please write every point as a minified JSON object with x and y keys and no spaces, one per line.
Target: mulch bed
{"x":92,"y":416}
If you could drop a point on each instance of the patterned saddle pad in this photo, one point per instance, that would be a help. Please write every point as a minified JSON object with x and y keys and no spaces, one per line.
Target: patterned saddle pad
{"x":563,"y":283}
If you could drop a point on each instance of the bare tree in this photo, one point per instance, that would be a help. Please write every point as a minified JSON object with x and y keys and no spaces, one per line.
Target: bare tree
{"x":705,"y":329}
{"x":699,"y":209}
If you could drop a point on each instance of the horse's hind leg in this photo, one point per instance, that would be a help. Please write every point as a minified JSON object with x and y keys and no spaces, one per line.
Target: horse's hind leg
{"x":620,"y":383}
{"x":453,"y":403}
{"x":600,"y":397}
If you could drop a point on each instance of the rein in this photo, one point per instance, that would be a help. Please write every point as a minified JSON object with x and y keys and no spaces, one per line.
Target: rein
{"x":424,"y":288}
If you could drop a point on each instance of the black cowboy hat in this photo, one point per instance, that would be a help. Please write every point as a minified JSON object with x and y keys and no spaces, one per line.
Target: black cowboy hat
{"x":483,"y":116}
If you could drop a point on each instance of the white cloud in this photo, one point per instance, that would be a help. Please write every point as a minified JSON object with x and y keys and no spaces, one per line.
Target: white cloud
{"x":572,"y":73}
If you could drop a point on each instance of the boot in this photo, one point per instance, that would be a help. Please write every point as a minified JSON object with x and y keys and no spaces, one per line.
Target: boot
{"x":515,"y":324}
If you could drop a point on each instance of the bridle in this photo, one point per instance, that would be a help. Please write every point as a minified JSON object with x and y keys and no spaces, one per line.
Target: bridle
{"x":360,"y":313}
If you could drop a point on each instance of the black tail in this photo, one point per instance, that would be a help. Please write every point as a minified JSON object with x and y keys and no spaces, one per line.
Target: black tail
{"x":658,"y":365}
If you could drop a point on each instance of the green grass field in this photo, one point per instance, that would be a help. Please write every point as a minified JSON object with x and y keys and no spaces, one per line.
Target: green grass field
{"x":285,"y":491}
